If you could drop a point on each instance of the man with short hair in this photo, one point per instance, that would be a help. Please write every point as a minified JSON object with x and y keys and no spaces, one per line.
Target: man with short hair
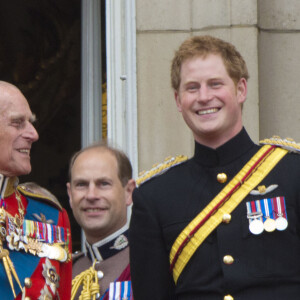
{"x":35,"y":241}
{"x":223,"y":224}
{"x":100,"y":191}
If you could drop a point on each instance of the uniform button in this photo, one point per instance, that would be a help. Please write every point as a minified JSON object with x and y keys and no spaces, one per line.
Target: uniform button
{"x":28,"y":282}
{"x":27,"y":298}
{"x":100,"y":274}
{"x":226,"y":218}
{"x":228,"y":297}
{"x":228,"y":259}
{"x":222,"y":177}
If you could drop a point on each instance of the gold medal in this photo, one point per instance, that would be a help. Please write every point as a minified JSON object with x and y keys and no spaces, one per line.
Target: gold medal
{"x":269,"y":225}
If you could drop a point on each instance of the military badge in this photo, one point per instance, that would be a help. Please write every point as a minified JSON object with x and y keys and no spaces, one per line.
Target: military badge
{"x":50,"y":275}
{"x":120,"y":243}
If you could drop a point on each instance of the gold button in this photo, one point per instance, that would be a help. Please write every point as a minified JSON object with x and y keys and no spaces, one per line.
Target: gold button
{"x":228,"y":259}
{"x":28,"y":282}
{"x":222,"y":177}
{"x":27,"y":298}
{"x":228,"y":297}
{"x":226,"y":218}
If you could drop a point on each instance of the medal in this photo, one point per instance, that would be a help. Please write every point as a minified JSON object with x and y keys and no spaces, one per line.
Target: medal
{"x":280,"y":210}
{"x":256,"y":226}
{"x":281,"y":223}
{"x":267,"y":209}
{"x":269,"y":225}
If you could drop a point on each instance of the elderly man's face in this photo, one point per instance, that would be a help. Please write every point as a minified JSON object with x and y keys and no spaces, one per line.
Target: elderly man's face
{"x":16,"y":132}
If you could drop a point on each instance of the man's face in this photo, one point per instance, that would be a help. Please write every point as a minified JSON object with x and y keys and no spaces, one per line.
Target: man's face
{"x":209,"y":101}
{"x":16,"y":132}
{"x":97,"y":197}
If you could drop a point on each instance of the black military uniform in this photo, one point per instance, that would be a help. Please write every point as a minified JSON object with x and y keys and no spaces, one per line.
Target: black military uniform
{"x":232,"y":263}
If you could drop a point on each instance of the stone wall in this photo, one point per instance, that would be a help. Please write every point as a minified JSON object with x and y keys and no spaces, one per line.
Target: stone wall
{"x":265,"y":32}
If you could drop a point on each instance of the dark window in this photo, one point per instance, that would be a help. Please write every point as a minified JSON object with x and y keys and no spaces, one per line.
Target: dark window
{"x":40,"y":52}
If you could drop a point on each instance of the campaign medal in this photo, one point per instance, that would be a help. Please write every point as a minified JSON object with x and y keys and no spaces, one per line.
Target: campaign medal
{"x":268,"y":215}
{"x":254,"y":215}
{"x":256,"y":226}
{"x":280,"y":212}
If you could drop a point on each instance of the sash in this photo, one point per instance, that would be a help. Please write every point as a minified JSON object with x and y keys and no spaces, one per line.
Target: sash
{"x":225,"y":202}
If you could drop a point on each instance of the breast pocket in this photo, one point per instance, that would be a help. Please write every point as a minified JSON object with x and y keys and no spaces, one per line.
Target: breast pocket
{"x":273,"y":253}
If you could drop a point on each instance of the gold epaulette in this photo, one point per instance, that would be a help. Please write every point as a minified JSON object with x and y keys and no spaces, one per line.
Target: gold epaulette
{"x":287,"y":143}
{"x":39,"y":196}
{"x":158,"y":169}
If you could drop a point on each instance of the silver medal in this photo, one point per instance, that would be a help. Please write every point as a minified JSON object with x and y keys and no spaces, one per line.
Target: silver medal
{"x":281,"y":223}
{"x":256,"y":226}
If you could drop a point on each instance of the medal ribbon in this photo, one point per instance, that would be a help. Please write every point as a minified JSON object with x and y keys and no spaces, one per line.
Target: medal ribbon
{"x":43,"y":232}
{"x":210,"y":217}
{"x":279,"y":207}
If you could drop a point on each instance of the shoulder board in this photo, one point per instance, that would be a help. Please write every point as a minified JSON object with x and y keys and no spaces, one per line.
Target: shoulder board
{"x":161,"y":168}
{"x":287,"y":143}
{"x":42,"y":197}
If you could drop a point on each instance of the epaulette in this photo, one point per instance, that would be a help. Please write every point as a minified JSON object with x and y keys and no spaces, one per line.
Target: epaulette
{"x":287,"y":143}
{"x":159,"y":169}
{"x":39,"y":196}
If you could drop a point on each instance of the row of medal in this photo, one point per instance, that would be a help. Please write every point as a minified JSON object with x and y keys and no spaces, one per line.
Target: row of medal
{"x":267,"y":215}
{"x":37,"y":238}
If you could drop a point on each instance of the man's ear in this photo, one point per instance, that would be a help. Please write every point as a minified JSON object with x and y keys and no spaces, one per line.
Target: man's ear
{"x":177,"y":99}
{"x":130,"y":186}
{"x":241,"y":89}
{"x":69,"y":193}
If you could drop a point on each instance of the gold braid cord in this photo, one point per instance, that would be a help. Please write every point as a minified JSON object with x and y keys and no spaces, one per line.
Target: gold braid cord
{"x":158,"y":169}
{"x":90,"y":285}
{"x":287,"y":143}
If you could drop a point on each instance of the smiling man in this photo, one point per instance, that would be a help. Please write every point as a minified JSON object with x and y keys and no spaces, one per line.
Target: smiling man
{"x":34,"y":263}
{"x":223,"y":224}
{"x":100,"y":191}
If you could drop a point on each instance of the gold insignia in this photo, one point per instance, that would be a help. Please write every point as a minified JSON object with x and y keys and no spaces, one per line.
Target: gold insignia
{"x":262,"y":189}
{"x":287,"y":143}
{"x":33,"y":246}
{"x":159,"y":169}
{"x":42,"y":218}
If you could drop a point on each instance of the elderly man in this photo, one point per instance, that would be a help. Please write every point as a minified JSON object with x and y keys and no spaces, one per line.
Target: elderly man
{"x":100,"y":190}
{"x":35,"y":238}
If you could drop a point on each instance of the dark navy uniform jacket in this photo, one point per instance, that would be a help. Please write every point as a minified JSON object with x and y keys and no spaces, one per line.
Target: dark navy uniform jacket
{"x":266,"y":266}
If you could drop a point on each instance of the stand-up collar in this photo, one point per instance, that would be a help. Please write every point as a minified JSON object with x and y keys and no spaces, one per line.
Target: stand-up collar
{"x":226,"y":153}
{"x":109,"y":246}
{"x":7,"y":185}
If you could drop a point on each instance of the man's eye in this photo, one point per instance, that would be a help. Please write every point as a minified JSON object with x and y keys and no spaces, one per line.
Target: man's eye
{"x":216,"y":84}
{"x":17,"y":123}
{"x":192,"y":88}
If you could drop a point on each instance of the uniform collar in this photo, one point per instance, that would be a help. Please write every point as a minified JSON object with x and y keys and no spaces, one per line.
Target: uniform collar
{"x":109,"y":246}
{"x":228,"y":152}
{"x":7,"y":185}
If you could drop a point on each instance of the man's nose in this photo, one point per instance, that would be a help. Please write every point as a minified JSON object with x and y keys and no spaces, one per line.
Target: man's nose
{"x":204,"y":94}
{"x":31,"y":133}
{"x":92,"y":192}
